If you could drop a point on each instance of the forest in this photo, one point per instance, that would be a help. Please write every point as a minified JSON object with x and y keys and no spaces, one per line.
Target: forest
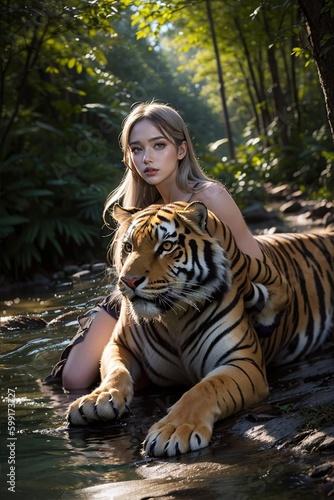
{"x":245,"y":76}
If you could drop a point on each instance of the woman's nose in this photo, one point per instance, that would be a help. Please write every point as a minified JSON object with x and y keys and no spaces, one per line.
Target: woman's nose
{"x":147,"y":156}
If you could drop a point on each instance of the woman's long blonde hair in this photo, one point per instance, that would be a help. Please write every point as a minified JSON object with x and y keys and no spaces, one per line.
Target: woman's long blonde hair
{"x":133,"y":191}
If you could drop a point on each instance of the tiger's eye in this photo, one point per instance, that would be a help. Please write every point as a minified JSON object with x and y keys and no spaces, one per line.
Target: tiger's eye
{"x":166,"y":246}
{"x":127,"y":247}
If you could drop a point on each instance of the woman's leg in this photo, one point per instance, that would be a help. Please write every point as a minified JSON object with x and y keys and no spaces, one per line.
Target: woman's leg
{"x":81,"y":369}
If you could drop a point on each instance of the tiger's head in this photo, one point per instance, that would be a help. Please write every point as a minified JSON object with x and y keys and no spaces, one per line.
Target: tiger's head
{"x":166,"y":260}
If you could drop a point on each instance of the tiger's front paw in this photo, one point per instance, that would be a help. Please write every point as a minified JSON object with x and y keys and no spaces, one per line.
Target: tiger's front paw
{"x":99,"y":405}
{"x":166,"y":438}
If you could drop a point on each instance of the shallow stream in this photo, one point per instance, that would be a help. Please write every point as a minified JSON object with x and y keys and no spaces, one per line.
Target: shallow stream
{"x":44,"y":459}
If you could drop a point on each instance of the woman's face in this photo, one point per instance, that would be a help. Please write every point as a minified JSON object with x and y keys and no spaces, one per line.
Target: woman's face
{"x":155,"y":157}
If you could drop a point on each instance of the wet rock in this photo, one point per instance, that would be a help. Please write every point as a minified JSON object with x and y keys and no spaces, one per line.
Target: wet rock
{"x":328,"y":220}
{"x":311,"y":441}
{"x":22,"y":323}
{"x":40,"y":279}
{"x":81,"y":275}
{"x":321,"y":470}
{"x":296,"y":194}
{"x":320,"y":210}
{"x":258,"y":213}
{"x":325,"y":474}
{"x":291,"y":207}
{"x":274,"y":432}
{"x":327,"y":444}
{"x":71,"y":269}
{"x":31,"y":322}
{"x":85,"y":267}
{"x":278,"y":192}
{"x":98,"y":267}
{"x":63,"y":285}
{"x":263,"y":413}
{"x":59,"y":275}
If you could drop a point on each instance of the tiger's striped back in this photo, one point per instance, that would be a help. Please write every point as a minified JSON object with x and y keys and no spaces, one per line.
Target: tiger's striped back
{"x":307,"y":261}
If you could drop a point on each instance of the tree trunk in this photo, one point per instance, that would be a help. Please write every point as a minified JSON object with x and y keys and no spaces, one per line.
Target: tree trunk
{"x":280,"y":106}
{"x":263,"y":103}
{"x":249,"y":88}
{"x":260,"y":130}
{"x":320,"y":27}
{"x":221,"y":82}
{"x":294,"y":85}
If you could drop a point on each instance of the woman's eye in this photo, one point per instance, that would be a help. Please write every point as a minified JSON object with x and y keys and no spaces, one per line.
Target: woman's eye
{"x":160,"y":145}
{"x":166,"y":246}
{"x":127,"y":247}
{"x":135,"y":150}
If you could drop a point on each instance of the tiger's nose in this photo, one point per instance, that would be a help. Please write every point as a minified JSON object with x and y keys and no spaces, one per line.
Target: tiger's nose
{"x":132,"y":281}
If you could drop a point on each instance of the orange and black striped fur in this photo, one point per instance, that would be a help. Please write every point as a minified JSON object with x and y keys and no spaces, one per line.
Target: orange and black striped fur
{"x":197,"y":311}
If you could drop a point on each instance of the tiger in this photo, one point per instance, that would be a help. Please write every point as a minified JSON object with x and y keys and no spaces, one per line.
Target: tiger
{"x":197,"y":311}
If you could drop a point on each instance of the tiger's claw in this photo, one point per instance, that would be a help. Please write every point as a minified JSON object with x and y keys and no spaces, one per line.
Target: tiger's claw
{"x":170,"y":440}
{"x":100,"y":405}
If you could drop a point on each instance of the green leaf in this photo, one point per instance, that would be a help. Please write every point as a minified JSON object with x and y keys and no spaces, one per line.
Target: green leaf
{"x":12,"y":220}
{"x":31,"y":231}
{"x":46,"y":233}
{"x":50,"y":128}
{"x":72,"y":62}
{"x":37,"y":192}
{"x":52,"y":70}
{"x":297,"y":51}
{"x":101,"y":57}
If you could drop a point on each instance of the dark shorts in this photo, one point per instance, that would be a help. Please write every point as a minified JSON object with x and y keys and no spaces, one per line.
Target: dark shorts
{"x":85,"y":321}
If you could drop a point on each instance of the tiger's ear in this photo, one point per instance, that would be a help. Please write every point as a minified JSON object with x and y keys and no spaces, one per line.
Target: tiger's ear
{"x":121,"y":214}
{"x":197,"y":213}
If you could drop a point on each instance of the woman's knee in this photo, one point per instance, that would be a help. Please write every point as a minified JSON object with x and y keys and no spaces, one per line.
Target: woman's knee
{"x":76,"y":377}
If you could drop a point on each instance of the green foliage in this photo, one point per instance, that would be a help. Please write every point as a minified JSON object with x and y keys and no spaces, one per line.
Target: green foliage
{"x":270,"y":78}
{"x":245,"y":176}
{"x":307,"y":165}
{"x":316,"y":416}
{"x":312,"y":417}
{"x":70,"y":71}
{"x":54,"y":148}
{"x":45,"y":219}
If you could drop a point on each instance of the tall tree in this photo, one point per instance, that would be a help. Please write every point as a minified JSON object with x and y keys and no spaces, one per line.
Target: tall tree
{"x":279,"y":100}
{"x":319,"y":15}
{"x":221,"y":81}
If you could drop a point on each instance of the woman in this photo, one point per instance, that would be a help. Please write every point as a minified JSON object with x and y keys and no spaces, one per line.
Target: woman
{"x":161,"y":168}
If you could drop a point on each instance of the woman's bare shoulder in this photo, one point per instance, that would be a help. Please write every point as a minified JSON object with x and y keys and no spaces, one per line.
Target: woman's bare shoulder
{"x":210,"y":190}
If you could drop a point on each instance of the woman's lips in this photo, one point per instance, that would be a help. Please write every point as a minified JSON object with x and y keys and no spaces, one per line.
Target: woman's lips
{"x":150,"y":171}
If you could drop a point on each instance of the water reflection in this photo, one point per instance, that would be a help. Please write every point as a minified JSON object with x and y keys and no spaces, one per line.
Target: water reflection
{"x":105,"y":461}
